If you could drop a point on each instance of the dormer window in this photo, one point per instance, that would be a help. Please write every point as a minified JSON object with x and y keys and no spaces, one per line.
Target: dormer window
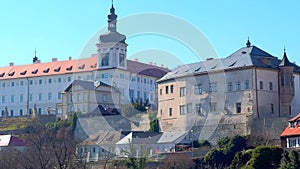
{"x":57,"y":69}
{"x":46,"y":71}
{"x":35,"y":71}
{"x":12,"y":73}
{"x":69,"y":68}
{"x":81,"y":67}
{"x":23,"y":73}
{"x":2,"y":74}
{"x":292,"y":125}
{"x":105,"y":60}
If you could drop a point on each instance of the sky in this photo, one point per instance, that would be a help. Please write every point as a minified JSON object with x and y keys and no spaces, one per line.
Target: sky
{"x":63,"y":28}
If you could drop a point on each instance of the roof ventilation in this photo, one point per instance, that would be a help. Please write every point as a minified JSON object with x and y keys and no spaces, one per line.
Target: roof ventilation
{"x":244,"y":52}
{"x":11,"y":64}
{"x":232,"y":64}
{"x":214,"y":67}
{"x":197,"y":69}
{"x":209,"y":59}
{"x":2,"y":74}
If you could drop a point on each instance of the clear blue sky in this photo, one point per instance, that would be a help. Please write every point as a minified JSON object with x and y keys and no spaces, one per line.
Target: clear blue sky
{"x":61,"y":28}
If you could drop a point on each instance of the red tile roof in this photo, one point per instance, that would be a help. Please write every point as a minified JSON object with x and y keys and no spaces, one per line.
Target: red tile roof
{"x":291,"y":132}
{"x":74,"y":66}
{"x":295,"y":131}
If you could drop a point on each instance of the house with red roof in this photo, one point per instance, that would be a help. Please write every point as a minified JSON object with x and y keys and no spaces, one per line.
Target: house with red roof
{"x":290,"y":137}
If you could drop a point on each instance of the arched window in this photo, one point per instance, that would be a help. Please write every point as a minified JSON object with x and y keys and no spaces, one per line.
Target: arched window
{"x":105,"y":60}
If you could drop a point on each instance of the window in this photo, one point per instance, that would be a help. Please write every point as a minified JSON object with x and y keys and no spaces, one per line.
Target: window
{"x":182,"y":109}
{"x":261,"y":85}
{"x":131,"y":94}
{"x":229,"y":86}
{"x":21,"y":98}
{"x":145,"y":96}
{"x":238,"y":107}
{"x":160,"y":91}
{"x":247,"y":84}
{"x":30,"y":111}
{"x":212,"y":87}
{"x":79,"y":77}
{"x":21,"y":83}
{"x":11,"y":112}
{"x":3,"y":99}
{"x":213,"y":106}
{"x":21,"y":112}
{"x":69,"y":79}
{"x":84,"y":96}
{"x":189,"y":108}
{"x":145,"y":81}
{"x":40,"y":97}
{"x":49,"y":96}
{"x":12,"y":84}
{"x":272,"y":108}
{"x":182,"y":91}
{"x":30,"y":82}
{"x":104,"y":98}
{"x":122,"y":76}
{"x":122,"y":59}
{"x":12,"y":98}
{"x":49,"y":81}
{"x":59,"y":96}
{"x":30,"y":97}
{"x":40,"y":81}
{"x":151,"y":81}
{"x":3,"y":84}
{"x":198,"y":108}
{"x":78,"y":97}
{"x":167,"y":89}
{"x":59,"y":80}
{"x":105,"y":60}
{"x":138,"y":94}
{"x":40,"y":110}
{"x":170,"y":112}
{"x":238,"y":85}
{"x":270,"y":85}
{"x":104,"y":75}
{"x":198,"y":89}
{"x":172,"y":88}
{"x":138,"y":79}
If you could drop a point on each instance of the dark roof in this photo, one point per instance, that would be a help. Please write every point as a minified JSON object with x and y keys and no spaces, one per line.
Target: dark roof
{"x":145,"y":137}
{"x":87,"y":85}
{"x":244,"y":57}
{"x":285,"y":61}
{"x":146,"y":69}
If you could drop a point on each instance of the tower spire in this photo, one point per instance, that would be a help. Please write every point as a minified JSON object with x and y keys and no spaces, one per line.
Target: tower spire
{"x":112,"y":19}
{"x":248,"y":43}
{"x":35,"y":58}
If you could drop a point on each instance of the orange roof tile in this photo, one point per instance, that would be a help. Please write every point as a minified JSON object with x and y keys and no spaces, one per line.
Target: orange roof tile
{"x":73,"y":66}
{"x":291,"y":132}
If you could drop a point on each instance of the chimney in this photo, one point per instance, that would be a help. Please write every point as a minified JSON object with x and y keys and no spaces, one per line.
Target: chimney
{"x":70,"y":57}
{"x":154,"y":64}
{"x":11,"y":64}
{"x":162,"y":65}
{"x":54,"y":59}
{"x":150,"y":63}
{"x":37,"y":61}
{"x":136,"y":59}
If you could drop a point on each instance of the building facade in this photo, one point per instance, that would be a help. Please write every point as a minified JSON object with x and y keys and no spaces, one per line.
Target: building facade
{"x":249,"y":84}
{"x":39,"y":86}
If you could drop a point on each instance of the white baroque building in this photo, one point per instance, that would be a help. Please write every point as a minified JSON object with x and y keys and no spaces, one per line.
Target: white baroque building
{"x":38,"y":86}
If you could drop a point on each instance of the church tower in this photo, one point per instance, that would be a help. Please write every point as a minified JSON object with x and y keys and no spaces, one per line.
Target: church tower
{"x":112,"y":48}
{"x":286,"y":85}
